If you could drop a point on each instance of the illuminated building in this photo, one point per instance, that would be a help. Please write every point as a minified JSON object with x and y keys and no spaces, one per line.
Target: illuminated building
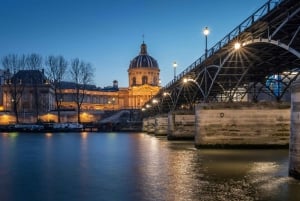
{"x":38,"y":102}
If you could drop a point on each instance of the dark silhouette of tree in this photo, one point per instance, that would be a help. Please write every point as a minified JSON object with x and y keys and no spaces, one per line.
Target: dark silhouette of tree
{"x":34,"y":63}
{"x":81,"y":74}
{"x":56,"y":71}
{"x":12,"y":64}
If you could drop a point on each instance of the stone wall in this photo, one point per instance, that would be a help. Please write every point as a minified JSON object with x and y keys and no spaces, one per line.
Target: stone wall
{"x":242,"y":125}
{"x":181,"y":125}
{"x":161,"y":125}
{"x":294,"y":150}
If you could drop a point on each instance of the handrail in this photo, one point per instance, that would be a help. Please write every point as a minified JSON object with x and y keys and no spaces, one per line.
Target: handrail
{"x":258,"y":14}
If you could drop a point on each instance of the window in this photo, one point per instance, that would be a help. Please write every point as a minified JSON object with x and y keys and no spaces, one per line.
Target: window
{"x":133,"y":81}
{"x":144,"y":80}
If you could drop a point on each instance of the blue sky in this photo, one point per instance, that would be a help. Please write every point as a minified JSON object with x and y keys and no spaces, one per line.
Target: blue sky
{"x":108,"y":33}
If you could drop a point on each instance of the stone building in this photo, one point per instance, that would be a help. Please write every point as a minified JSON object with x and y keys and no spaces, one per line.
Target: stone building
{"x":37,"y":100}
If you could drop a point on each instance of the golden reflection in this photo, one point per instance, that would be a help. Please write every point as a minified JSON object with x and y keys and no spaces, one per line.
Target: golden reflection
{"x":48,"y":135}
{"x":264,"y":167}
{"x":154,"y":144}
{"x":264,"y":172}
{"x":84,"y":135}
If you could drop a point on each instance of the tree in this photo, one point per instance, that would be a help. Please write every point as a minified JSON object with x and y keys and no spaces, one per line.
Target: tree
{"x":12,"y":64}
{"x":56,"y":70}
{"x":81,"y":75}
{"x":34,"y":63}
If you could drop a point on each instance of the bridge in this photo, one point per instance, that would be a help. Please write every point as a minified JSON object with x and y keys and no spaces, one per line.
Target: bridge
{"x":220,"y":99}
{"x":264,"y":48}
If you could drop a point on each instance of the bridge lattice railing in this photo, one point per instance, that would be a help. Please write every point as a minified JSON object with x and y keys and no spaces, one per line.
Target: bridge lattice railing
{"x":257,"y":15}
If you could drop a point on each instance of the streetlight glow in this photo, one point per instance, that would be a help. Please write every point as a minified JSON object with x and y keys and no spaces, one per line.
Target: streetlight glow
{"x":174,"y":66}
{"x":206,"y":31}
{"x":237,"y":45}
{"x":154,"y":101}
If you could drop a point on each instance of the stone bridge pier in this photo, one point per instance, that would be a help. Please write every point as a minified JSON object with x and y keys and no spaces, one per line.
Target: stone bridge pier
{"x":294,"y":151}
{"x":181,"y":125}
{"x":253,"y":125}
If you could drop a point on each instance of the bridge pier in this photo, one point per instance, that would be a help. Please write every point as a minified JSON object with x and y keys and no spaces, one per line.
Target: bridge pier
{"x":181,"y":125}
{"x":161,"y":125}
{"x":149,"y":124}
{"x":145,"y":125}
{"x":261,"y":125}
{"x":294,"y":151}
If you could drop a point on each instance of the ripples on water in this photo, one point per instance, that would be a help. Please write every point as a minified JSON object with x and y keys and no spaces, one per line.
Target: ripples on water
{"x":124,"y":166}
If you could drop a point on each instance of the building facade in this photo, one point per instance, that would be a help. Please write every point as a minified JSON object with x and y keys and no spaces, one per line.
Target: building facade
{"x":36,"y":99}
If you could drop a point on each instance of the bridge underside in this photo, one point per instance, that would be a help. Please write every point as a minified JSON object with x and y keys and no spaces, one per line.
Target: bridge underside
{"x":260,"y":56}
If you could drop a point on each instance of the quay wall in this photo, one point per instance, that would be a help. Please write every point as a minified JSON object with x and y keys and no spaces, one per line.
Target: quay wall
{"x":242,"y":125}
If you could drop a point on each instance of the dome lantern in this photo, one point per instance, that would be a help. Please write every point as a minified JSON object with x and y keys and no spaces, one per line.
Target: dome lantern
{"x":143,"y":60}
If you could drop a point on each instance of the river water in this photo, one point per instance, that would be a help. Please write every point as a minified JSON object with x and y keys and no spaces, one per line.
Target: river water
{"x":136,"y":167}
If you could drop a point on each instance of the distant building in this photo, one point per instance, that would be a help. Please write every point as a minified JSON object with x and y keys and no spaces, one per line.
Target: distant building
{"x":37,"y":94}
{"x":1,"y":90}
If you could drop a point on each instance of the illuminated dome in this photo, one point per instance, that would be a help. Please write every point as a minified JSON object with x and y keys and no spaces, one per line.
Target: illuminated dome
{"x":143,"y":60}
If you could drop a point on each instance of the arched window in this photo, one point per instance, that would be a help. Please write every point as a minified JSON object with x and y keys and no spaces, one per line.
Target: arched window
{"x":133,"y":81}
{"x":155,"y":81}
{"x":144,"y":80}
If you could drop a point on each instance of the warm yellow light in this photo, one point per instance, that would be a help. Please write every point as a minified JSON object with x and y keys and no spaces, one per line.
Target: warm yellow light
{"x":48,"y":135}
{"x":237,"y":45}
{"x":206,"y":31}
{"x":84,"y":135}
{"x":154,"y":101}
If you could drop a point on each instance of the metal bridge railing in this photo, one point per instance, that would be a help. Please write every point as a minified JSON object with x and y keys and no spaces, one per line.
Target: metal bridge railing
{"x":262,"y":11}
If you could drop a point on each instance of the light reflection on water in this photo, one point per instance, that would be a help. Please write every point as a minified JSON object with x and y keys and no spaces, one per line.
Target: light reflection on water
{"x":124,"y":166}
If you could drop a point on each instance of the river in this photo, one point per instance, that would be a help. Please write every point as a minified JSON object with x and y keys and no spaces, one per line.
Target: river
{"x":137,"y":167}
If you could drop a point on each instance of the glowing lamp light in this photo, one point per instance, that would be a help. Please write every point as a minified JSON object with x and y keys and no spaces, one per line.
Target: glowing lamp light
{"x":154,"y":101}
{"x":206,"y":31}
{"x":166,"y":94}
{"x":237,"y":45}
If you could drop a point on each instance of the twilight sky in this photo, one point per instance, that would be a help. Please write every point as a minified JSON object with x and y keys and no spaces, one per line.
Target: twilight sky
{"x":108,"y":33}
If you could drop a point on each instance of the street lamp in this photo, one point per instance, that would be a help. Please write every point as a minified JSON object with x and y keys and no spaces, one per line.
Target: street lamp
{"x":174,"y":66}
{"x":237,"y":45}
{"x":206,"y":32}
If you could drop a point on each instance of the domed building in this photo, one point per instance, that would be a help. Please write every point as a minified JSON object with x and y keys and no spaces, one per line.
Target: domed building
{"x":143,"y":69}
{"x":143,"y":76}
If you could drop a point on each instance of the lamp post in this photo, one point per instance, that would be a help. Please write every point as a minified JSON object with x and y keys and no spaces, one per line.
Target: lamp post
{"x":174,"y":66}
{"x":206,"y":32}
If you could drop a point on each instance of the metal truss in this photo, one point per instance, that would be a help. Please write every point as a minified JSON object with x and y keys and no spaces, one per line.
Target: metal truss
{"x":267,"y":62}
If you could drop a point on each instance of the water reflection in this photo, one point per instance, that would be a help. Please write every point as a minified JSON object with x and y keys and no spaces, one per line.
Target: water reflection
{"x":124,"y":166}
